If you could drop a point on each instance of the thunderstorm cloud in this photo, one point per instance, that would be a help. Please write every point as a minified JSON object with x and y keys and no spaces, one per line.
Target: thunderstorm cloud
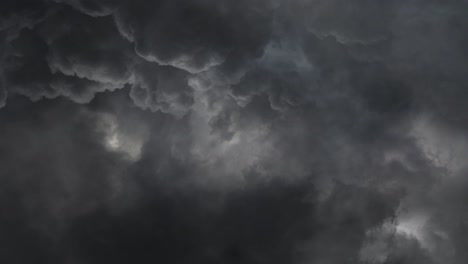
{"x":234,"y":131}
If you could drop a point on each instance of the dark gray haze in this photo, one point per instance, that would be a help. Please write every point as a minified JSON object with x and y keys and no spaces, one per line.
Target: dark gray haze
{"x":234,"y":131}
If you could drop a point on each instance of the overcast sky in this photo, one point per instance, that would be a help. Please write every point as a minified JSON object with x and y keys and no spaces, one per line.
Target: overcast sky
{"x":234,"y":131}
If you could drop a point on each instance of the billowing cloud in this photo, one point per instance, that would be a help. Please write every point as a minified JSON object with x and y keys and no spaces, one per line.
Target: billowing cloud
{"x":162,"y":88}
{"x":203,"y":131}
{"x":196,"y":35}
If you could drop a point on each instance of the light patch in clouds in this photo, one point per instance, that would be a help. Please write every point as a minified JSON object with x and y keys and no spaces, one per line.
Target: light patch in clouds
{"x":231,"y":155}
{"x":383,"y":241}
{"x":444,"y":148}
{"x":376,"y":248}
{"x":129,"y":143}
{"x":413,"y":225}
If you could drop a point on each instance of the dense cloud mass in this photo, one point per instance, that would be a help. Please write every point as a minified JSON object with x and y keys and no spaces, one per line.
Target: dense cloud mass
{"x":223,"y":131}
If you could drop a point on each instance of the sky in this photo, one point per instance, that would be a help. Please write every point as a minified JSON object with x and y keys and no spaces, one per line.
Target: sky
{"x":234,"y":131}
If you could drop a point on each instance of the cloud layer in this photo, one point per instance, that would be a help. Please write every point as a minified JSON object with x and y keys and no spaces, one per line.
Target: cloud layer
{"x":261,"y":131}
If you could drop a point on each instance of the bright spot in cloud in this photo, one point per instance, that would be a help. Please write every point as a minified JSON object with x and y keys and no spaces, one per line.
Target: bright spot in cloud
{"x":444,"y":148}
{"x":126,"y":142}
{"x":413,"y":225}
{"x":218,"y":154}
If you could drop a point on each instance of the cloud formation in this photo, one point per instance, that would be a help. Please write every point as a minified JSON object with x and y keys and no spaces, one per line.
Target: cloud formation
{"x":203,"y":131}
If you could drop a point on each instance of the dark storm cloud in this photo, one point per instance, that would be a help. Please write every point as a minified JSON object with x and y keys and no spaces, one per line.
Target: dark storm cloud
{"x":190,"y":229}
{"x":36,"y":60}
{"x":93,"y":7}
{"x":278,"y":131}
{"x":26,"y":69}
{"x":37,"y":197}
{"x":361,"y":21}
{"x":86,"y":47}
{"x":196,"y":35}
{"x":18,"y":14}
{"x":3,"y":92}
{"x":161,"y":88}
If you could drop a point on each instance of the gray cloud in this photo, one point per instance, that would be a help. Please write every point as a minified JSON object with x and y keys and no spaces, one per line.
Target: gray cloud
{"x":200,"y":131}
{"x":93,"y":8}
{"x":3,"y":92}
{"x":207,"y":33}
{"x":162,"y":88}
